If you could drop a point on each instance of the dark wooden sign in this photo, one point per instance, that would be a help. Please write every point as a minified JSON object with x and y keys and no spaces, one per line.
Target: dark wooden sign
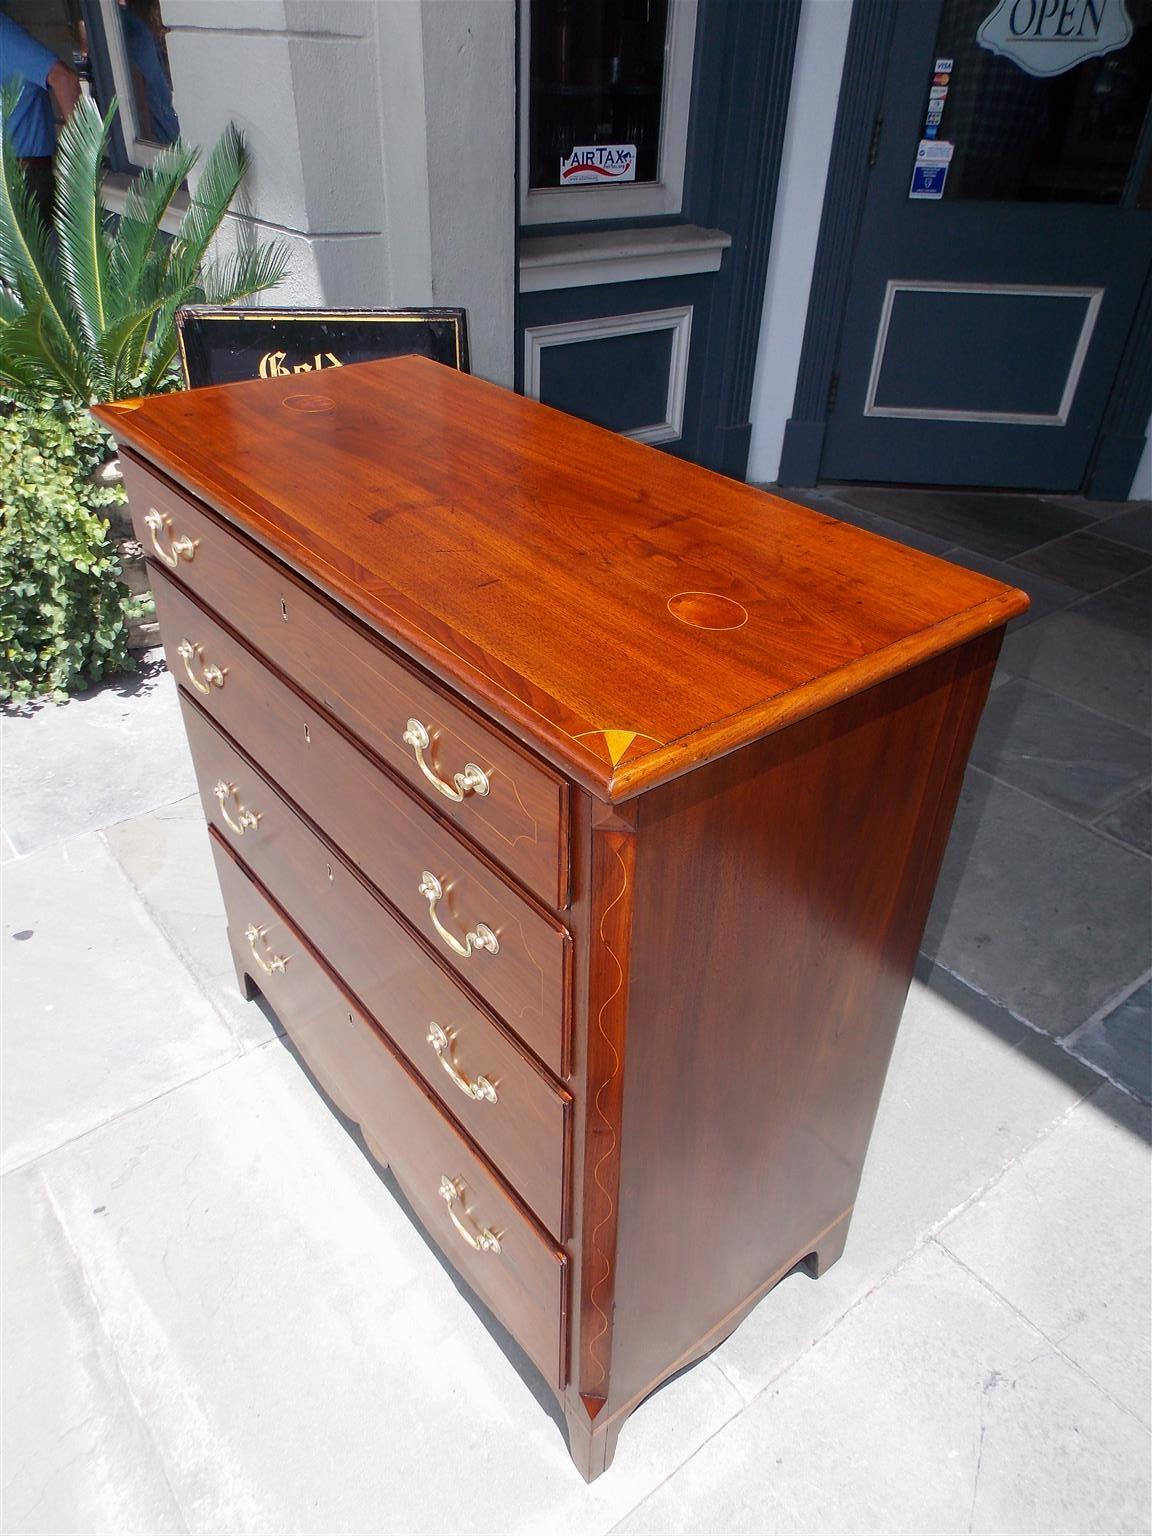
{"x":223,"y":346}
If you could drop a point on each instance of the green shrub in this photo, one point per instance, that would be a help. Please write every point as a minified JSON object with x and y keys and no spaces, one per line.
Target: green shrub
{"x":63,"y":610}
{"x":87,"y":312}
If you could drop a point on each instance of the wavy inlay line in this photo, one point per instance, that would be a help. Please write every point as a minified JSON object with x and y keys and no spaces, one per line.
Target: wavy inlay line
{"x":607,"y":1153}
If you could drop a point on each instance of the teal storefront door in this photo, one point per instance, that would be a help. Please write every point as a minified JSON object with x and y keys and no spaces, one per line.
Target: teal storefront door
{"x":1004,"y":246}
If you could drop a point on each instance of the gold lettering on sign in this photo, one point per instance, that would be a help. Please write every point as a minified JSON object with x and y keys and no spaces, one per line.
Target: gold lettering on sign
{"x":275,"y":365}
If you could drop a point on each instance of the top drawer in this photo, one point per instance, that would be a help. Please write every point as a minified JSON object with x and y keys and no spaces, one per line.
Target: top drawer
{"x":522,"y":820}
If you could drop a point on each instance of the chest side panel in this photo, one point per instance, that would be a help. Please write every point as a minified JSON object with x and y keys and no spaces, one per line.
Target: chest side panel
{"x":781,"y":895}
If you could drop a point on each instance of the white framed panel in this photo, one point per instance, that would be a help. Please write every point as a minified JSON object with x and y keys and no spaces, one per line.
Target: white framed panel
{"x":1057,"y":418}
{"x":626,"y":200}
{"x":569,"y":332}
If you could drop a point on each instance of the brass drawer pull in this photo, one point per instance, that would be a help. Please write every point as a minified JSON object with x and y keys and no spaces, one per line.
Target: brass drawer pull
{"x":179,"y":548}
{"x":441,"y":1043}
{"x":480,"y":937}
{"x":473,"y":780}
{"x":272,"y":967}
{"x":210,"y":676}
{"x":248,"y":821}
{"x":483,"y":1240}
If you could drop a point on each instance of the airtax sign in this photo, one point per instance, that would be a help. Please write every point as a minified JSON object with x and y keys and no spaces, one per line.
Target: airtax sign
{"x":592,"y":163}
{"x":1046,"y":37}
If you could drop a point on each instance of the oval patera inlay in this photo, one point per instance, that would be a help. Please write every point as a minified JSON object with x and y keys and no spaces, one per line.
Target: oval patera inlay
{"x":308,"y":403}
{"x":707,"y":610}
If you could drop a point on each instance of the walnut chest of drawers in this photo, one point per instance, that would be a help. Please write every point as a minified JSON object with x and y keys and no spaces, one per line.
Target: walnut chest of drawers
{"x":578,"y":812}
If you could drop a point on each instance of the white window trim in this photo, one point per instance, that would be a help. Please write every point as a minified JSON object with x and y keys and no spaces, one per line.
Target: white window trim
{"x":632,"y":199}
{"x":569,"y":332}
{"x":141,"y":151}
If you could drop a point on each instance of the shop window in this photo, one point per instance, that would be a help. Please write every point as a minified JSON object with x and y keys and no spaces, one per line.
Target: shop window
{"x":605,"y":91}
{"x":1046,"y":100}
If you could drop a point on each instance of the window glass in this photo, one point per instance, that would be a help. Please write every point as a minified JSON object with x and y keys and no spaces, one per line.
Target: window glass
{"x":595,"y":88}
{"x":146,"y":52}
{"x":1022,"y":131}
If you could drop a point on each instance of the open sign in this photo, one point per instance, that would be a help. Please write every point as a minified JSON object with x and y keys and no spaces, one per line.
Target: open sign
{"x":1046,"y":37}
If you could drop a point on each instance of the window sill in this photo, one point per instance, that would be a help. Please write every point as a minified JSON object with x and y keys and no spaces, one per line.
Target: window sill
{"x":115,"y":190}
{"x":618,"y":256}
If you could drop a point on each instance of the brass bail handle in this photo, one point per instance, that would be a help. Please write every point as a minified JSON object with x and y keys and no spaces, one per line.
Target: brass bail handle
{"x":472,"y":780}
{"x":483,"y":1239}
{"x":480,"y":937}
{"x":211,"y":676}
{"x":274,"y":965}
{"x":441,"y":1042}
{"x":247,"y":821}
{"x":179,"y":548}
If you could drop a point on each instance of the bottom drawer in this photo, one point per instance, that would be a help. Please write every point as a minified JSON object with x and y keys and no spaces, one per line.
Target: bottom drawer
{"x":506,"y":1259}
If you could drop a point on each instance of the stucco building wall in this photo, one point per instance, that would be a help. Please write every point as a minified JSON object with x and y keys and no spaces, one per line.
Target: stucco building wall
{"x":382,"y":138}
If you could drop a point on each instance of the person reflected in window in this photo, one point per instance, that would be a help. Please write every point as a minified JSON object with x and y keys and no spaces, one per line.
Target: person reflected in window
{"x":50,"y":86}
{"x":152,"y":83}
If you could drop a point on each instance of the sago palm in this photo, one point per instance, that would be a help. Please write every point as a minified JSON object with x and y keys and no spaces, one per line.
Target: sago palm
{"x":87,"y":309}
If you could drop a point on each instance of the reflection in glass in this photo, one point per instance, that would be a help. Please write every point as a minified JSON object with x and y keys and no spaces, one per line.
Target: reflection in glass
{"x":597,"y":77}
{"x":1070,"y":138}
{"x":147,"y":50}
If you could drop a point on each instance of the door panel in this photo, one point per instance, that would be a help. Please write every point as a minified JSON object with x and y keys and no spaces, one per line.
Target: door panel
{"x":985,"y":326}
{"x":1017,"y":352}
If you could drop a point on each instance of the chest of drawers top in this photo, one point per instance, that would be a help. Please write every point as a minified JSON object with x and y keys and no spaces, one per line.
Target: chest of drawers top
{"x":629,"y":616}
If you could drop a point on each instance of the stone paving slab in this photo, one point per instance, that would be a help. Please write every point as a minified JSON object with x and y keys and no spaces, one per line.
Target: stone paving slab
{"x":1044,"y":914}
{"x":1132,"y":526}
{"x":999,"y":524}
{"x":1120,"y":1042}
{"x":1063,"y":1238}
{"x":1073,"y":758}
{"x":99,"y":1013}
{"x":1131,"y":821}
{"x":77,"y":1455}
{"x":302,"y":1361}
{"x":933,"y":1407}
{"x":1085,"y":561}
{"x":167,"y":857}
{"x":968,"y":1089}
{"x":1095,"y":653}
{"x":105,"y":755}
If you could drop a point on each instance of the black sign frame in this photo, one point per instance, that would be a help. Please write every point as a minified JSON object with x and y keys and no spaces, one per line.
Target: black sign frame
{"x":223,"y":345}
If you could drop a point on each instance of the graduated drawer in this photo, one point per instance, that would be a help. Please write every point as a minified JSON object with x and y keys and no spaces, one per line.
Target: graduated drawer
{"x":494,"y":1089}
{"x":380,"y":827}
{"x":524,"y":1282}
{"x":523,"y":819}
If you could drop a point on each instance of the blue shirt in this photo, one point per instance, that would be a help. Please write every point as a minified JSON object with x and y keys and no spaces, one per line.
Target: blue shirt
{"x":33,"y":122}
